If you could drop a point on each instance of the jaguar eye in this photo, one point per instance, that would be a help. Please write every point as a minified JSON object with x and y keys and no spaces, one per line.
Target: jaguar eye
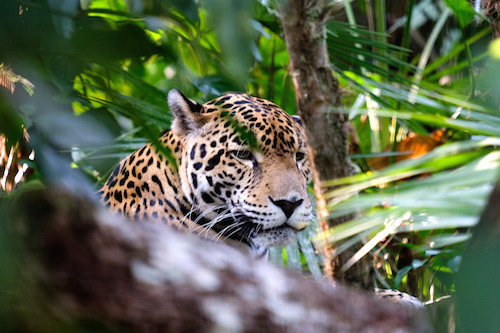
{"x":300,"y":156}
{"x":245,"y":155}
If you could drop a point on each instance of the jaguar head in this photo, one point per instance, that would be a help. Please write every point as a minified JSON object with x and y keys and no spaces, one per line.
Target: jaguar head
{"x":244,"y":168}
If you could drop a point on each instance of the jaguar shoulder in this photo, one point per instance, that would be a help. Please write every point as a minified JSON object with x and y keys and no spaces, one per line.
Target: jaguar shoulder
{"x":238,"y":172}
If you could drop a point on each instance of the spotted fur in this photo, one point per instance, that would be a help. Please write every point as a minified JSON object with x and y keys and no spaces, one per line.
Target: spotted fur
{"x":234,"y":169}
{"x":397,"y":296}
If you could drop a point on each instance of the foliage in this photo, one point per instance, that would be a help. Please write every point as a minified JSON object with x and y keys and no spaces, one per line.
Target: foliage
{"x":101,"y":70}
{"x":416,"y":214}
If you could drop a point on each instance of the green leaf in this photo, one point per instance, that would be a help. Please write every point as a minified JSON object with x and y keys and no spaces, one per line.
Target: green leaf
{"x":62,"y":15}
{"x":276,"y":255}
{"x":401,"y":274}
{"x":309,"y":252}
{"x":235,"y":34}
{"x":462,"y":10}
{"x":405,"y":270}
{"x":10,"y":122}
{"x":214,"y":85}
{"x":416,"y":263}
{"x":106,"y":44}
{"x":293,"y":256}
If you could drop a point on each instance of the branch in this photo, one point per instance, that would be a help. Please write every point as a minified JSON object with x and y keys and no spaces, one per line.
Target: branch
{"x":84,"y":264}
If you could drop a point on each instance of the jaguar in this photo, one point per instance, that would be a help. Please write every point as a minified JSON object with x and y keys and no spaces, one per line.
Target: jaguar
{"x":234,"y":169}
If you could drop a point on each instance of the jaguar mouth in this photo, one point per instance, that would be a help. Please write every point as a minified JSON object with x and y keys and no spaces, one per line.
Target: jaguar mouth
{"x":241,"y":228}
{"x":282,"y":227}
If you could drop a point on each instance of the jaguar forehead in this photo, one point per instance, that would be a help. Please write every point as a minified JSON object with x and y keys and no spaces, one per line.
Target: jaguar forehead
{"x":258,"y":122}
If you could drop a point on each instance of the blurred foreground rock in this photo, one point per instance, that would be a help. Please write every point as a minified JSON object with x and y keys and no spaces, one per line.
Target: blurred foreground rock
{"x":69,"y":264}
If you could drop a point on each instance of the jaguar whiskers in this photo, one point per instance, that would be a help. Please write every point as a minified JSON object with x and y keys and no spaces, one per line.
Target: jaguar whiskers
{"x":205,"y":226}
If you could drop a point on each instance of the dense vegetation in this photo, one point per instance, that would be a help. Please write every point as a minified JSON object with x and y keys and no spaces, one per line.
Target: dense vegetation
{"x":88,"y":81}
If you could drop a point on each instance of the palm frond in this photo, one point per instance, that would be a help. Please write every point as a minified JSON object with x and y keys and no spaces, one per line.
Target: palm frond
{"x":8,"y":79}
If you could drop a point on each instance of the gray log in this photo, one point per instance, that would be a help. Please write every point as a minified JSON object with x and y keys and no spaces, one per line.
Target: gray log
{"x":79,"y":264}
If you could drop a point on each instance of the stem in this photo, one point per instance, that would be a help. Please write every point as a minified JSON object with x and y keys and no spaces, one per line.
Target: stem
{"x":406,"y":34}
{"x":426,"y":53}
{"x":468,"y":55}
{"x":380,"y":21}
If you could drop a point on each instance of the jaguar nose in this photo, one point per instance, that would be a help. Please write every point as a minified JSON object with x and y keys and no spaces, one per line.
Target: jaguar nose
{"x":287,"y":206}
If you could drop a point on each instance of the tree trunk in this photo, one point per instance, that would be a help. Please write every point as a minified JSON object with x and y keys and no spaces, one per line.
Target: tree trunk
{"x":76,"y":266}
{"x":318,"y":96}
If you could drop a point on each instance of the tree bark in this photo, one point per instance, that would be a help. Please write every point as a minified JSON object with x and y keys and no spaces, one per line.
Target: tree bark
{"x":75,"y":265}
{"x":317,"y":96}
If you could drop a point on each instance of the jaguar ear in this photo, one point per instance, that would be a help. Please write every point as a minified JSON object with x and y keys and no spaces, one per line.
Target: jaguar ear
{"x":298,"y":120}
{"x":188,"y":114}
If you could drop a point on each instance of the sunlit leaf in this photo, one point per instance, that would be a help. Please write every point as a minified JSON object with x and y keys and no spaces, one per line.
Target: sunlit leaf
{"x":462,"y":10}
{"x":401,"y":274}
